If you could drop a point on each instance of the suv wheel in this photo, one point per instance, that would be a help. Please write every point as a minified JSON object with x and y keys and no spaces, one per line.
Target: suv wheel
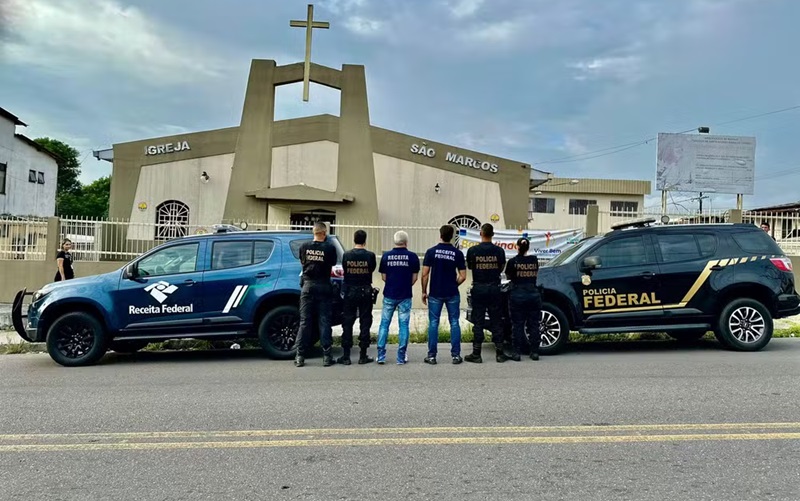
{"x":76,"y":339}
{"x":744,"y":325}
{"x":128,"y":347}
{"x":277,"y":332}
{"x":554,"y":328}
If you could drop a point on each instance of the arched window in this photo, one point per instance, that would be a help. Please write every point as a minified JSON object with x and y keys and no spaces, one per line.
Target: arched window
{"x":464,"y":221}
{"x":172,"y":220}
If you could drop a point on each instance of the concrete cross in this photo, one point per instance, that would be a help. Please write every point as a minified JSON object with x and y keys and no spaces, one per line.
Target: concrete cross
{"x":308,"y":24}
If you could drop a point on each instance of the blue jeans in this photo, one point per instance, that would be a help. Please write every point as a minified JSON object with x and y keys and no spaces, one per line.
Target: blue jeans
{"x":403,"y":306}
{"x":435,"y":305}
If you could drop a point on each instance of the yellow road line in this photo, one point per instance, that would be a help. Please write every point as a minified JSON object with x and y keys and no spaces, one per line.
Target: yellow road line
{"x":591,"y":439}
{"x":402,"y":431}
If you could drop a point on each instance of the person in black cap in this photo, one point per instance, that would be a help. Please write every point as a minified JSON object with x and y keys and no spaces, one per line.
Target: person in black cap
{"x":358,"y":265}
{"x":525,"y":301}
{"x":316,"y":294}
{"x":486,"y":261}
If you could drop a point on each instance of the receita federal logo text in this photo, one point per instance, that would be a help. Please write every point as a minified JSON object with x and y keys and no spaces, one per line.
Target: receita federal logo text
{"x":160,"y":309}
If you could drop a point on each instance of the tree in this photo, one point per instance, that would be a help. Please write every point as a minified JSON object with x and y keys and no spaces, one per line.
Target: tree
{"x":91,"y":200}
{"x":69,"y":167}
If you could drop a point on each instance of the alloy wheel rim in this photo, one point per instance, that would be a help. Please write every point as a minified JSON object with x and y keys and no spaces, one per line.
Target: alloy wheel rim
{"x":283,"y":332}
{"x":75,"y":340}
{"x":747,"y":325}
{"x":550,"y":328}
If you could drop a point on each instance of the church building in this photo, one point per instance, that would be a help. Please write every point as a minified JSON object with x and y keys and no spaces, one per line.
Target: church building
{"x":335,"y":169}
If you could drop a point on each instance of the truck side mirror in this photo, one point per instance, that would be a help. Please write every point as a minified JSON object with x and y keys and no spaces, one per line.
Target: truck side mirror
{"x":592,"y":262}
{"x":130,"y":271}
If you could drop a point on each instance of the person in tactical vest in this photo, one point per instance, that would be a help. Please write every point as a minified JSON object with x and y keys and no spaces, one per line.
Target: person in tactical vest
{"x":486,"y":261}
{"x":525,"y":301}
{"x":358,"y":265}
{"x":316,"y":294}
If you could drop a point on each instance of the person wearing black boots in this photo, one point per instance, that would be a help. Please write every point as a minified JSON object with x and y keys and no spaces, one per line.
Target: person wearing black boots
{"x":525,"y":301}
{"x":486,"y":261}
{"x":358,"y":265}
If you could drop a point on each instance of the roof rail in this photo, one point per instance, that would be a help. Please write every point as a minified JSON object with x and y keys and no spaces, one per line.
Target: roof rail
{"x":636,"y":223}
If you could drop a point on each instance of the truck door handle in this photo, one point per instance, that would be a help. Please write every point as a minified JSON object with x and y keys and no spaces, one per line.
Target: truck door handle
{"x":648,"y":275}
{"x":716,"y":267}
{"x":189,"y":282}
{"x":262,"y":275}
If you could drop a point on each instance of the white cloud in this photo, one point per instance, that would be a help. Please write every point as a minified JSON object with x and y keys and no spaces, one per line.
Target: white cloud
{"x":460,"y":9}
{"x":625,"y":68}
{"x":342,"y":6}
{"x":101,"y":35}
{"x":500,"y":31}
{"x":363,"y":26}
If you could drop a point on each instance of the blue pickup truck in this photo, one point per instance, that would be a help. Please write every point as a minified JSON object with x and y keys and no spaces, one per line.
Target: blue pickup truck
{"x":224,"y":285}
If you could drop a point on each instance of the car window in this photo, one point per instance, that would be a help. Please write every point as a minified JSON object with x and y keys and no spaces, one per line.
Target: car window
{"x":225,"y":255}
{"x":707,"y":244}
{"x":677,"y":247}
{"x":756,"y":242}
{"x":170,"y":261}
{"x":628,"y":251}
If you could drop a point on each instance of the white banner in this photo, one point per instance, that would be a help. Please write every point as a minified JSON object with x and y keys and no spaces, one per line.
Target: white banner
{"x":545,"y":244}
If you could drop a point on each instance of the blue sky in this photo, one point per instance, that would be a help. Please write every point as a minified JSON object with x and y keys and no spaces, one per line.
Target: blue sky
{"x":533,"y":80}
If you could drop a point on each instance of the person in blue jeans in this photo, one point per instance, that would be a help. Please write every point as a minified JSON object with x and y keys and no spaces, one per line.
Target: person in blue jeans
{"x":399,"y":269}
{"x":446,"y":268}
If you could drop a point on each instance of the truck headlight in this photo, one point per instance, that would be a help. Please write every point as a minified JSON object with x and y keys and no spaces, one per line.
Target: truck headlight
{"x":39,"y":295}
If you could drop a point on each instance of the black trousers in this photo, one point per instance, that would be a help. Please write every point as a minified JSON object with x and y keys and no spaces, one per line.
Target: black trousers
{"x":315,"y":306}
{"x":357,"y":304}
{"x":487,"y":298}
{"x":526,"y":316}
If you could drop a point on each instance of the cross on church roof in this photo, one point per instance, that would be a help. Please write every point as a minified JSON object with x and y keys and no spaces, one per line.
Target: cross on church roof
{"x":308,"y":24}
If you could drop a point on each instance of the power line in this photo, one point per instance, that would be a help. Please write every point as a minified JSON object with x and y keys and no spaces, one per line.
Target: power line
{"x":627,"y":146}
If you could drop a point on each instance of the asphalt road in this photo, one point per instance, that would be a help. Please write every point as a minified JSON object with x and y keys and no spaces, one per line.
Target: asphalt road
{"x":617,"y":421}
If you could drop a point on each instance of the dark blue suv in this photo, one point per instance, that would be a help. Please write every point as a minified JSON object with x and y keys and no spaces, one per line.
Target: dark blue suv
{"x":226,"y":285}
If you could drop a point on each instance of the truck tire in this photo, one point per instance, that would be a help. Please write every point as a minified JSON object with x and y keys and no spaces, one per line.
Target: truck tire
{"x":744,"y":325}
{"x":277,"y":332}
{"x":555,"y":330}
{"x":127,"y":347}
{"x":76,"y":339}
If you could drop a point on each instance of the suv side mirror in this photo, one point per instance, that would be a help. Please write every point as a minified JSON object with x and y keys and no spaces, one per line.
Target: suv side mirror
{"x":592,"y":262}
{"x":130,"y":272}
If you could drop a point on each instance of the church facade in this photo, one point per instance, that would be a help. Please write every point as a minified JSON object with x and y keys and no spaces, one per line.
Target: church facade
{"x":336,"y":169}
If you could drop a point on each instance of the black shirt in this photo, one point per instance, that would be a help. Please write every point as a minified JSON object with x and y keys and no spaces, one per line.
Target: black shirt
{"x":69,"y":273}
{"x":486,"y":260}
{"x":358,"y":266}
{"x":522,"y":270}
{"x":317,"y":259}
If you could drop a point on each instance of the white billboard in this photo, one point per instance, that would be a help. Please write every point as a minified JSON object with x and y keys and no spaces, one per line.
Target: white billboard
{"x":546,"y":245}
{"x":706,"y":163}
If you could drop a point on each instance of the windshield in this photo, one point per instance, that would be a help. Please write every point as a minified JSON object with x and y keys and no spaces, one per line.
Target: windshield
{"x":567,"y":255}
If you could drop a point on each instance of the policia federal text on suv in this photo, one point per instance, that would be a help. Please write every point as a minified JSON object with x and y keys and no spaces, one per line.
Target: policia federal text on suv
{"x":316,"y":296}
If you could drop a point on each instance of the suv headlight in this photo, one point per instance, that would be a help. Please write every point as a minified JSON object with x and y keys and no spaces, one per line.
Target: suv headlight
{"x":39,"y":295}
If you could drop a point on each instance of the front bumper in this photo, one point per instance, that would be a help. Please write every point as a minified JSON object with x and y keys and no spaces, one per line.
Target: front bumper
{"x":18,"y":319}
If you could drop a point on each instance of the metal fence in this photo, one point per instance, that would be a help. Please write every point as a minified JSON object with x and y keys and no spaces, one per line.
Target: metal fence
{"x":607,"y":219}
{"x":784,"y":226}
{"x":23,"y":238}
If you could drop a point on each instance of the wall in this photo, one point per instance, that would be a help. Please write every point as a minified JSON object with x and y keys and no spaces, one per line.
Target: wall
{"x":22,"y":197}
{"x":180,"y":180}
{"x":562,"y":219}
{"x":314,"y":164}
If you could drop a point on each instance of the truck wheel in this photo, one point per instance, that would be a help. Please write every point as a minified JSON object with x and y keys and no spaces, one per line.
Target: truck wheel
{"x":76,"y":339}
{"x":744,"y":325}
{"x":277,"y":332}
{"x":554,"y":328}
{"x":686,"y":336}
{"x":128,"y":347}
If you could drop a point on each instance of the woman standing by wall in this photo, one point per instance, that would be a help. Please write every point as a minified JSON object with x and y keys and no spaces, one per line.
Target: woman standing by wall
{"x":64,"y":261}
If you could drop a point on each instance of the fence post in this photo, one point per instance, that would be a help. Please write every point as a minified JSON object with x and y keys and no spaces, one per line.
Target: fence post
{"x":52,"y":238}
{"x":592,"y":220}
{"x":735,"y":215}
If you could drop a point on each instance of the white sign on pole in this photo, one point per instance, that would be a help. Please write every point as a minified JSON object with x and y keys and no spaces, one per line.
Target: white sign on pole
{"x":546,"y":245}
{"x":704,"y":162}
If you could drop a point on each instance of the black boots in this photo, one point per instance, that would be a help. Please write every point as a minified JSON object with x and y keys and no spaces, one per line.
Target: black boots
{"x":327,"y":359}
{"x":475,"y":356}
{"x":515,"y":355}
{"x":534,"y":356}
{"x":345,"y":358}
{"x":363,"y":358}
{"x":500,"y":356}
{"x":299,"y":361}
